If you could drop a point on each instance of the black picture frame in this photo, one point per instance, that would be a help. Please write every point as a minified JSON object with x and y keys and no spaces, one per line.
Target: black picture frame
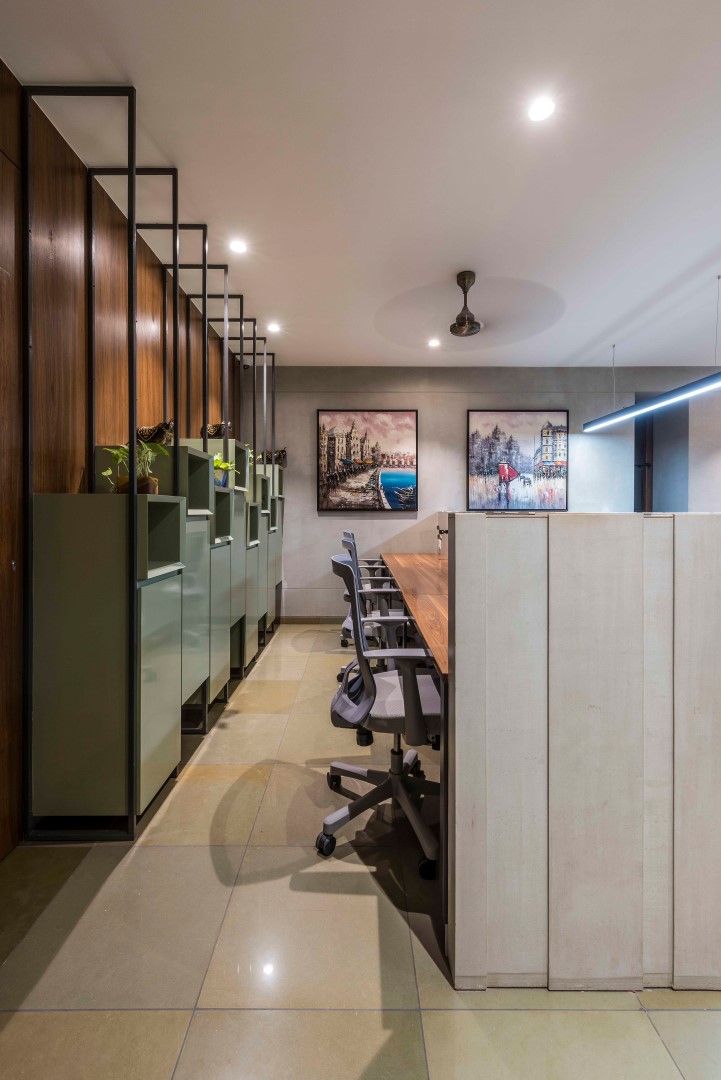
{"x":505,"y":509}
{"x":362,"y":509}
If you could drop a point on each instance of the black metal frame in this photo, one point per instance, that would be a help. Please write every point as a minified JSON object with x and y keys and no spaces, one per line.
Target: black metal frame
{"x":29,"y":94}
{"x":503,"y":509}
{"x":363,"y":509}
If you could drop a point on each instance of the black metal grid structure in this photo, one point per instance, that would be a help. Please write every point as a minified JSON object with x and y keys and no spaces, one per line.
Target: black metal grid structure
{"x":29,"y":94}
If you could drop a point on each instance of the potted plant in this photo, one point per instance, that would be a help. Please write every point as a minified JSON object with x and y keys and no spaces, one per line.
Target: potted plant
{"x":145,"y":455}
{"x":222,"y":470}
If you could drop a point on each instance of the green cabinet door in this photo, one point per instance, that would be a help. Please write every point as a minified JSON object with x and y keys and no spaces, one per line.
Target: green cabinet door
{"x":159,"y":668}
{"x":219,"y":617}
{"x":251,"y":601}
{"x":196,"y":605}
{"x":237,"y":559}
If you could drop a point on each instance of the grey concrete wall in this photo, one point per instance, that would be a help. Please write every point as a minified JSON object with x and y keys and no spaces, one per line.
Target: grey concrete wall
{"x":601,"y":469}
{"x":671,"y":459}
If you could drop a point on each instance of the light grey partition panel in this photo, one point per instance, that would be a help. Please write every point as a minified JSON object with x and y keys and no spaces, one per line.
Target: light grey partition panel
{"x":658,"y":750}
{"x":466,"y":778}
{"x":697,"y":775}
{"x":515,"y":667}
{"x":596,"y":845}
{"x":237,"y":557}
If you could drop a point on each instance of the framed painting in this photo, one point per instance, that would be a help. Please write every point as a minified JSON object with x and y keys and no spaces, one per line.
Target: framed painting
{"x":517,"y":460}
{"x":367,"y":459}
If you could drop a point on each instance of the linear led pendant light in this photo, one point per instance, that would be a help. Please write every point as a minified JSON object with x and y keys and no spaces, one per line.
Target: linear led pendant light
{"x":671,"y":397}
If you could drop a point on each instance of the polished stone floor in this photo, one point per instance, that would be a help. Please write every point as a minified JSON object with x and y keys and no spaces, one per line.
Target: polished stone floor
{"x":221,"y":946}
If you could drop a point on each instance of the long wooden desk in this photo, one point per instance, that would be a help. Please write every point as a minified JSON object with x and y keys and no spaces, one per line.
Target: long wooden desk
{"x":423,"y":581}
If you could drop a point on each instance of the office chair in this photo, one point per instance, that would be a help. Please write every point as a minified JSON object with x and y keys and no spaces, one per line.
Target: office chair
{"x":373,"y":580}
{"x":403,"y":702}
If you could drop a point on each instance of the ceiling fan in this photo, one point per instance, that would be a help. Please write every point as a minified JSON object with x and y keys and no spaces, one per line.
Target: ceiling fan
{"x":466,"y":324}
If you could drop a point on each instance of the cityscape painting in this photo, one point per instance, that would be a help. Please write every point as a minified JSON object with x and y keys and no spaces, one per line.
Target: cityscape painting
{"x":367,"y":459}
{"x":517,"y":460}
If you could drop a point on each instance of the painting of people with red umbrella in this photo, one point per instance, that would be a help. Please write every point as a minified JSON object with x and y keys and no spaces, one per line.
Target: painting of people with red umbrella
{"x":517,"y":460}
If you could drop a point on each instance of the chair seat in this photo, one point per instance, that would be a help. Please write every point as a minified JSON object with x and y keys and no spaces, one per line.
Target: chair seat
{"x":388,"y":714}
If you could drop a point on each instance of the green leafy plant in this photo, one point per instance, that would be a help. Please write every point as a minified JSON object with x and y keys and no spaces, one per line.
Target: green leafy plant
{"x":226,"y":466}
{"x":145,"y":456}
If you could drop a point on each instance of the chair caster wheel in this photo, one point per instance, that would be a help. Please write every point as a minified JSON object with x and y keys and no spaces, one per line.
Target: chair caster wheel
{"x":325,"y":845}
{"x":343,"y":643}
{"x":428,"y":868}
{"x":363,"y":737}
{"x":333,"y":782}
{"x":340,"y":675}
{"x":417,"y":770}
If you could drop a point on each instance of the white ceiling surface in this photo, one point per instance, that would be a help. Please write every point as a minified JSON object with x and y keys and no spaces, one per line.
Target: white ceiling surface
{"x":369,"y":151}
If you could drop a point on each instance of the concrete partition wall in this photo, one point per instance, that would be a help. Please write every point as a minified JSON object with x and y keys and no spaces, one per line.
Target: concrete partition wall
{"x":561,"y":744}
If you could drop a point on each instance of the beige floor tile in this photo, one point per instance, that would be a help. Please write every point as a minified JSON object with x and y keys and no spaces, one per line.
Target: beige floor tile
{"x":313,"y":699}
{"x":265,"y":696}
{"x":680,"y":999}
{"x":545,"y":1046}
{"x":306,"y":933}
{"x":317,"y":742}
{"x":296,"y":643}
{"x":273,"y":665}
{"x":91,"y":1045}
{"x":297,"y":799}
{"x":240,"y":738}
{"x":29,"y":878}
{"x":210,"y":804}
{"x":276,"y":1045}
{"x":130,"y":929}
{"x":693,"y":1040}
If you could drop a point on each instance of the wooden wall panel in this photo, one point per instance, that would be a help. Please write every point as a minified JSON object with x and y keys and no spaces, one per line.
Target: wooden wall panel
{"x":59,"y":311}
{"x":111,"y":354}
{"x":595,"y":751}
{"x":215,"y":353}
{"x":111,"y":333}
{"x":12,"y":476}
{"x":9,"y":115}
{"x":658,"y":750}
{"x":697,"y":764}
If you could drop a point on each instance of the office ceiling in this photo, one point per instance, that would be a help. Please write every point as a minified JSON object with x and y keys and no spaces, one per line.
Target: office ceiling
{"x":368,"y":151}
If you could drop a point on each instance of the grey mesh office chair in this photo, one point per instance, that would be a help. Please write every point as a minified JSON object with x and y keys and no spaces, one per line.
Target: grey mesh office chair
{"x":403,"y":702}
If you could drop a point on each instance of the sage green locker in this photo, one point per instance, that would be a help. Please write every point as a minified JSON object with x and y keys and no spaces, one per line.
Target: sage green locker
{"x":80,"y":652}
{"x":219,"y":616}
{"x":196,"y":605}
{"x":263,"y":534}
{"x":238,"y":558}
{"x":159,"y":682}
{"x":273,"y":551}
{"x":252,"y":572}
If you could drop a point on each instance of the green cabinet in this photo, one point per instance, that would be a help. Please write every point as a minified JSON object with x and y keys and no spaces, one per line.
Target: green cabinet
{"x":252,"y":582}
{"x":196,"y":605}
{"x":159,"y":696}
{"x":80,"y":653}
{"x":219,"y":617}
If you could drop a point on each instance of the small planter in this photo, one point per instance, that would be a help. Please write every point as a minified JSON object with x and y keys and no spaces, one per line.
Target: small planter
{"x":221,"y":477}
{"x":147,"y":485}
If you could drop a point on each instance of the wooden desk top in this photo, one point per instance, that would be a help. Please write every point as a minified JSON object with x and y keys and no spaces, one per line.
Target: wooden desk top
{"x":423,"y":580}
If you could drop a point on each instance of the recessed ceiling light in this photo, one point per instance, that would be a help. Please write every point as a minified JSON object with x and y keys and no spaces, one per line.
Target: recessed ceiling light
{"x":238,"y":246}
{"x":433,"y":343}
{"x":541,"y":108}
{"x":273,"y":328}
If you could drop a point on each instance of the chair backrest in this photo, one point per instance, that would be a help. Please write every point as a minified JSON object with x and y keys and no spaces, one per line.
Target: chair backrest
{"x":354,"y":710}
{"x":352,"y":548}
